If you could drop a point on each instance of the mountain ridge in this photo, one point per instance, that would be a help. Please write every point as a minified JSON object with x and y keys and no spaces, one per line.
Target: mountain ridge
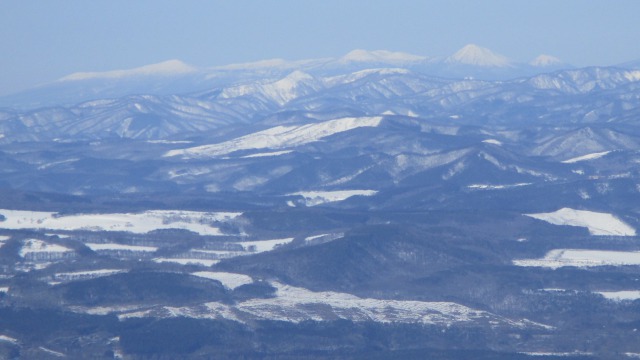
{"x":177,"y":77}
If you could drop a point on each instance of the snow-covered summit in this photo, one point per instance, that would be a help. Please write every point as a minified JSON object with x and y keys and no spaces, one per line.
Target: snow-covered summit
{"x":545,"y":60}
{"x":297,"y":83}
{"x":166,"y":68}
{"x":381,"y":56}
{"x":475,"y":55}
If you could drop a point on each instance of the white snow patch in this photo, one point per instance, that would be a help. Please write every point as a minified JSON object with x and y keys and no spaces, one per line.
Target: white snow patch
{"x":263,"y":245}
{"x":104,"y":310}
{"x":586,"y":157}
{"x":229,"y":280}
{"x":274,"y":153}
{"x":8,"y":339}
{"x":279,"y":137}
{"x":621,"y":295}
{"x":597,"y":223}
{"x":582,"y":258}
{"x":563,"y":354}
{"x":119,"y":247}
{"x":184,"y":261}
{"x":496,"y":187}
{"x":51,"y":352}
{"x":492,"y":141}
{"x":3,"y":239}
{"x":38,"y":246}
{"x":314,"y":237}
{"x":48,"y":165}
{"x":140,"y":223}
{"x":324,"y":237}
{"x":313,"y":198}
{"x":4,"y":289}
{"x":169,"y":142}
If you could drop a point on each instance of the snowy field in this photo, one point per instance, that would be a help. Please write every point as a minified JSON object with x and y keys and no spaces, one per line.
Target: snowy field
{"x":621,"y":295}
{"x":496,"y":187}
{"x":597,"y":223}
{"x":100,"y":247}
{"x":263,"y":245}
{"x":582,"y":258}
{"x":140,"y":223}
{"x":187,"y":261}
{"x":211,"y":257}
{"x":35,"y":246}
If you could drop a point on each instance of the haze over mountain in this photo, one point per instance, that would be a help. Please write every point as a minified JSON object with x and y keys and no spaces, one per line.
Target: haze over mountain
{"x":176,"y":77}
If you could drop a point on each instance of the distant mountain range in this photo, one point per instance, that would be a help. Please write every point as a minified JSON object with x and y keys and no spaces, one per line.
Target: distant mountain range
{"x":176,"y":77}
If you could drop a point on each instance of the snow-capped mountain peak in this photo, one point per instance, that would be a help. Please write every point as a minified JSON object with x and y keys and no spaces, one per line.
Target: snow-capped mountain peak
{"x":545,"y":60}
{"x":297,"y":83}
{"x":165,"y":68}
{"x":382,"y":56}
{"x":297,"y":76}
{"x":475,"y":55}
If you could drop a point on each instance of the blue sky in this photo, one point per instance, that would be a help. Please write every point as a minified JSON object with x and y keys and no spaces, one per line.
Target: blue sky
{"x":42,"y":40}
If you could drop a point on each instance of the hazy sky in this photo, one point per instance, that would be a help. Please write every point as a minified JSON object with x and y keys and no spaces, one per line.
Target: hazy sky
{"x":42,"y":40}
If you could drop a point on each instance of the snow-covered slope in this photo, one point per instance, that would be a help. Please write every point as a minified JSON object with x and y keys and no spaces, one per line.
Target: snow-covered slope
{"x":381,"y":56}
{"x":229,"y":280}
{"x":295,"y":304}
{"x":165,"y":68}
{"x":597,"y":223}
{"x":279,"y":137}
{"x":294,"y":85}
{"x":545,"y":60}
{"x":586,"y":157}
{"x":472,"y":54}
{"x":313,"y":198}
